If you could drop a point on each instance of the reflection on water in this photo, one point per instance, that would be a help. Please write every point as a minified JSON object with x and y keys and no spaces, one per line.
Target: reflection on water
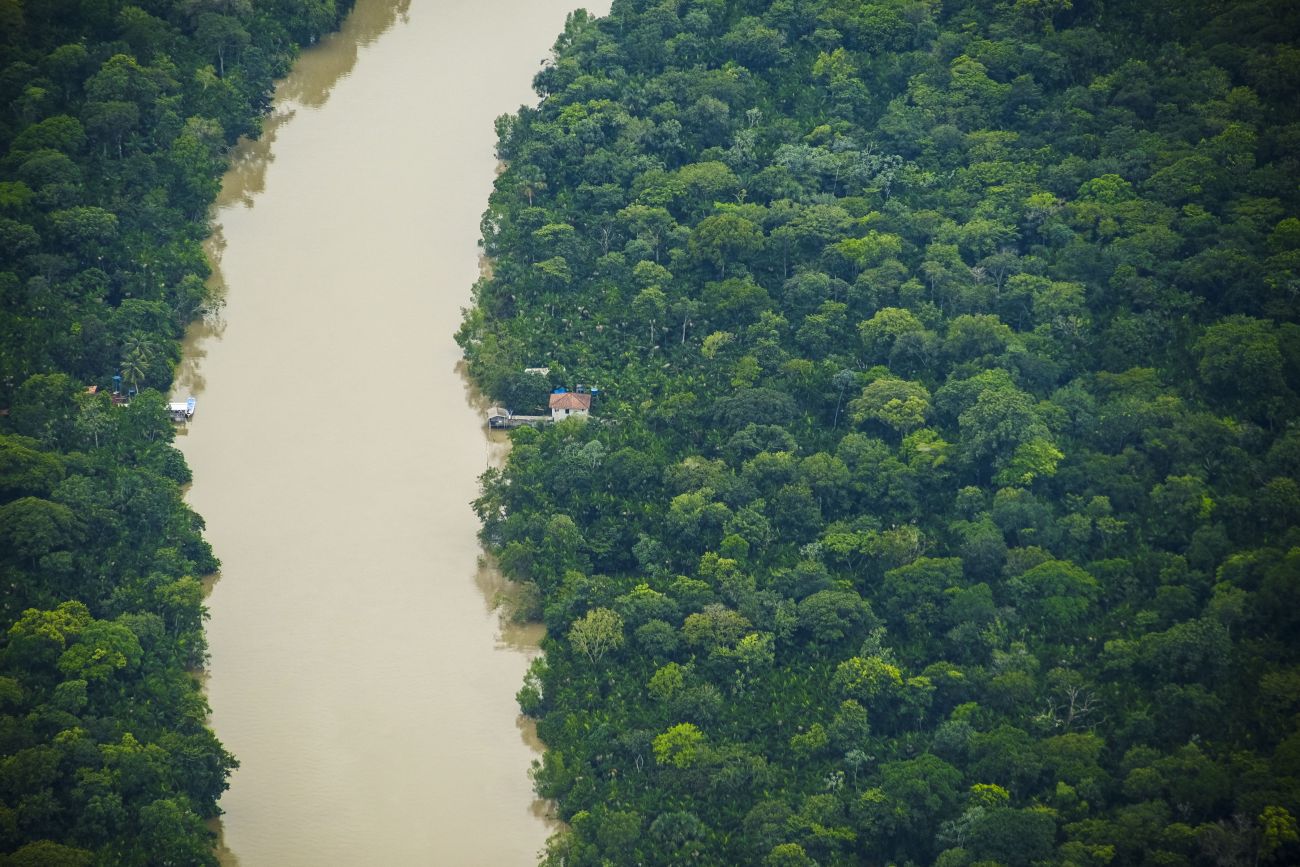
{"x":316,"y":72}
{"x":309,"y":85}
{"x":358,"y":667}
{"x":224,"y":855}
{"x":189,"y":373}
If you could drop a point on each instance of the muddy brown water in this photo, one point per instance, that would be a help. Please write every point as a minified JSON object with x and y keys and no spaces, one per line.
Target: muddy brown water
{"x":358,"y":668}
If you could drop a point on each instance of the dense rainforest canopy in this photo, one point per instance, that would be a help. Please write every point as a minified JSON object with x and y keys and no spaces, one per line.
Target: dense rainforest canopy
{"x":115,"y":122}
{"x":940,"y":505}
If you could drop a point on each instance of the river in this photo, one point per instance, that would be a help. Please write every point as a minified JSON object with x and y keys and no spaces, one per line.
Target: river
{"x":358,"y":669}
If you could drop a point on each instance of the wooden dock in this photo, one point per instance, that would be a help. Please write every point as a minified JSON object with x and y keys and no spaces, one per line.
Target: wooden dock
{"x":499,"y":418}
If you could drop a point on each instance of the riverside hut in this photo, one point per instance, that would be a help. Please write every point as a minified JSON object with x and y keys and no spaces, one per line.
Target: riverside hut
{"x":567,"y":404}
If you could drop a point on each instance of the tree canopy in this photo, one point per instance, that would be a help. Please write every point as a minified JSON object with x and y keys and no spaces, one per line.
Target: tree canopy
{"x":946,"y":506}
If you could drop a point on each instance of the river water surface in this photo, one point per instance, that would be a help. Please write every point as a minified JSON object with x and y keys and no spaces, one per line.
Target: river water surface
{"x":357,"y":668}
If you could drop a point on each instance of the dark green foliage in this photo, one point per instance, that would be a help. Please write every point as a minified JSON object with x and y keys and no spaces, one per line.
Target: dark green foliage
{"x":114,"y":136}
{"x":945,"y":474}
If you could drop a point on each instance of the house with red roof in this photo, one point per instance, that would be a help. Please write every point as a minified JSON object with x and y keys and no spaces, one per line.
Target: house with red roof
{"x":567,"y":404}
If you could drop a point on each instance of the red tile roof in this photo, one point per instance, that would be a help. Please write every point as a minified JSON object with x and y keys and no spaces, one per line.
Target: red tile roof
{"x":571,"y":400}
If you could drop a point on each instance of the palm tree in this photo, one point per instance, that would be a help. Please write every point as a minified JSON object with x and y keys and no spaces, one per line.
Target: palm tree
{"x":137,"y":353}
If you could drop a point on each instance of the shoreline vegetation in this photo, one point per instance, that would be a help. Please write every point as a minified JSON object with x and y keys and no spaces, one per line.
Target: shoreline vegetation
{"x":941,"y":502}
{"x":118,"y":125}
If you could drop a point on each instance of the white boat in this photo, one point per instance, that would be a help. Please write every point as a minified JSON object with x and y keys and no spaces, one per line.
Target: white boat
{"x":181,"y":410}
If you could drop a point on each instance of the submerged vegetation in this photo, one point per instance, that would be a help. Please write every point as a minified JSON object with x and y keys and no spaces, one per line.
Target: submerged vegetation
{"x":941,"y":505}
{"x":116,"y":123}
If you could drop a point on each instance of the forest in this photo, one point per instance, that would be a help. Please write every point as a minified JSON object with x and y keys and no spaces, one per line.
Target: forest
{"x":940,"y":504}
{"x":116,"y":124}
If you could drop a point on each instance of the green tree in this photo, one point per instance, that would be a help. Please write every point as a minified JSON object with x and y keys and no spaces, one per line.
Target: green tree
{"x":680,"y":746}
{"x":1241,"y":363}
{"x":999,"y":423}
{"x":224,"y":35}
{"x":1057,"y":595}
{"x":896,"y":403}
{"x":32,"y":527}
{"x":723,"y":239}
